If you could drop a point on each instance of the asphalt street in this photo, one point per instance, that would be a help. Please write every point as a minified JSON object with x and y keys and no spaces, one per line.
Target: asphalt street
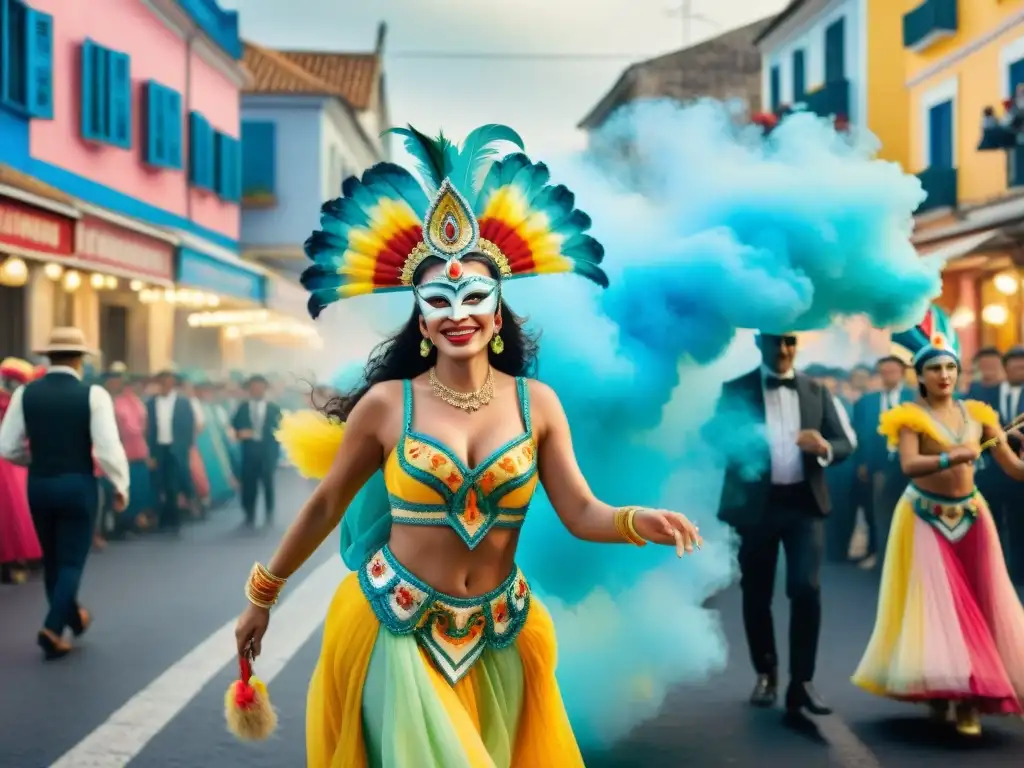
{"x":146,"y":688}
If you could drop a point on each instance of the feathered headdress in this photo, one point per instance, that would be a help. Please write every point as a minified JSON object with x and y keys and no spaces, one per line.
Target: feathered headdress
{"x":375,"y":236}
{"x":932,"y":337}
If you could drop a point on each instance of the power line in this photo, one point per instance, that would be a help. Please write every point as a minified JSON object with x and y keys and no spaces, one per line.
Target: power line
{"x":493,"y":56}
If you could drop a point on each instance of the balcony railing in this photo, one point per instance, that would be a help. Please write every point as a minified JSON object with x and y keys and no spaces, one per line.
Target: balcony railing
{"x":830,"y":100}
{"x":930,"y":22}
{"x":940,"y":186}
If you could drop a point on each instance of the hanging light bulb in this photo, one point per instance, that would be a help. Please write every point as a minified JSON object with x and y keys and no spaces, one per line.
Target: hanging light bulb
{"x":961,"y":318}
{"x":212,"y":301}
{"x":97,"y":280}
{"x":136,"y":285}
{"x":53,"y":271}
{"x":995,"y":314}
{"x":13,"y":272}
{"x":111,"y":282}
{"x":1006,"y":283}
{"x":72,"y":281}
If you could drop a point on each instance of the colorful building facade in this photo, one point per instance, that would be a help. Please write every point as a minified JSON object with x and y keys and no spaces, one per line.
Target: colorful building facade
{"x":126,"y":114}
{"x":840,"y":59}
{"x":309,"y":121}
{"x":961,"y":58}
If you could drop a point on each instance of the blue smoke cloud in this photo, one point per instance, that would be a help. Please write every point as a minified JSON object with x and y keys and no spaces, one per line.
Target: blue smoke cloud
{"x":733,"y":232}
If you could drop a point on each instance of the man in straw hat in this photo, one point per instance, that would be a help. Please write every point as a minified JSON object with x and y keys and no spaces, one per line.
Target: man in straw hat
{"x":55,"y":426}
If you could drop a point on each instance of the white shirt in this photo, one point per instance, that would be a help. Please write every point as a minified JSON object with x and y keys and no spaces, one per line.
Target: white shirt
{"x":164,"y":407}
{"x":891,"y":399}
{"x":258,"y":414}
{"x":782,"y":424}
{"x":1009,"y":400}
{"x":106,"y":441}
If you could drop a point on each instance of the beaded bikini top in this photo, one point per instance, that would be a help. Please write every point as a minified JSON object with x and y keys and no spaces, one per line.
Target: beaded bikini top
{"x":428,"y":485}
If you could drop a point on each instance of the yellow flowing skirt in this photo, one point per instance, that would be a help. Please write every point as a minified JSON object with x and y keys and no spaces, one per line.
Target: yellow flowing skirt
{"x":376,"y":700}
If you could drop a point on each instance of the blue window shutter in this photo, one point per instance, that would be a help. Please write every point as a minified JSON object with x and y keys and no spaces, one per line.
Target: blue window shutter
{"x":88,"y":91}
{"x":1016,"y":76}
{"x":835,"y":51}
{"x":156,"y":133}
{"x":14,"y":42}
{"x":799,"y":76}
{"x":220,"y":160}
{"x":101,"y":83}
{"x":172,"y":127}
{"x":201,"y":151}
{"x":40,"y":64}
{"x":940,"y":127}
{"x":776,"y":88}
{"x":235,"y":188}
{"x":258,"y":159}
{"x":209,"y":156}
{"x":120,"y":85}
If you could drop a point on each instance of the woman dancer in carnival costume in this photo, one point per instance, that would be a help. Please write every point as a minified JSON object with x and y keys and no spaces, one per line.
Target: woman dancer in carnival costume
{"x":950,"y":627}
{"x":19,"y":544}
{"x":435,"y":653}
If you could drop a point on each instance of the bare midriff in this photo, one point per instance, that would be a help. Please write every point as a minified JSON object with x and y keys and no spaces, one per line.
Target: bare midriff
{"x":438,"y":556}
{"x":954,"y":482}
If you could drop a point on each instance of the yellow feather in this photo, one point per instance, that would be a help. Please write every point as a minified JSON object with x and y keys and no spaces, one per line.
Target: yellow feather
{"x":982,"y":413}
{"x":309,"y":439}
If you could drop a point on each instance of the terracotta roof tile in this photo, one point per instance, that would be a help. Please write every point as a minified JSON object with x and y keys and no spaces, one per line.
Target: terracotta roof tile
{"x":354,"y":74}
{"x":350,"y":76}
{"x":32,"y":185}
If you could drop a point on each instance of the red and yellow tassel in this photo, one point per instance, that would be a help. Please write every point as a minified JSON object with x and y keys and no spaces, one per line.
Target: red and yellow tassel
{"x":247,"y":708}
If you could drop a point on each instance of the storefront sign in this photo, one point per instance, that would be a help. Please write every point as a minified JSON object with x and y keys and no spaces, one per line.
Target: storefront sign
{"x":107,"y":245}
{"x":33,"y":229}
{"x":197,"y":270}
{"x":287,"y":298}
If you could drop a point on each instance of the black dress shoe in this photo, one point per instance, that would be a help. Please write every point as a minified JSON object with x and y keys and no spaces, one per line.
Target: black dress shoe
{"x":802,"y":696}
{"x":766,"y":691}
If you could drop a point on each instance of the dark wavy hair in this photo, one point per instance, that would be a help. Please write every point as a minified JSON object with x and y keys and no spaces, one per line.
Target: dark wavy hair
{"x":399,"y":357}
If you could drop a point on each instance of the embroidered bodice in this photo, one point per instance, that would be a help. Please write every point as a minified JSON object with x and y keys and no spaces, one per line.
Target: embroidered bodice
{"x":428,"y":485}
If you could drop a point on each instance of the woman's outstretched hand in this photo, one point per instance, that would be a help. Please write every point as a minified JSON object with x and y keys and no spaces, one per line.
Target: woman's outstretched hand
{"x":660,"y":526}
{"x":249,"y":630}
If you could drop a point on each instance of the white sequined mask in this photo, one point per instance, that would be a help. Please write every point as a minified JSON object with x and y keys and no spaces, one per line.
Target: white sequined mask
{"x":444,"y":298}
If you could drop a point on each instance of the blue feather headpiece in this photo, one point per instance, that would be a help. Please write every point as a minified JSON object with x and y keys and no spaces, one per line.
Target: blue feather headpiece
{"x":933,"y":337}
{"x":385,"y":225}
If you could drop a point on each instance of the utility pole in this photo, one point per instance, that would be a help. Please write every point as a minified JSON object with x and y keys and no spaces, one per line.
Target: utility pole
{"x":687,"y":16}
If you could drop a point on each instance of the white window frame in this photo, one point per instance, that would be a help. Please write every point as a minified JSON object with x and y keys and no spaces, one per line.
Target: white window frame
{"x":947,"y":90}
{"x":1010,"y":53}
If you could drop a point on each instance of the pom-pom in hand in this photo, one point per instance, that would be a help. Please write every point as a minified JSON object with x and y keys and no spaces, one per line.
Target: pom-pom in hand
{"x":250,"y":716}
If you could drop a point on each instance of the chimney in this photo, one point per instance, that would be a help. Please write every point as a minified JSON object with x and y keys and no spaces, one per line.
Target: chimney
{"x":382,"y":31}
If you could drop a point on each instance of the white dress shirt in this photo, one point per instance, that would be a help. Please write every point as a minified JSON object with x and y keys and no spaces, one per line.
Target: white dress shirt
{"x":164,"y":407}
{"x":1009,"y":400}
{"x":258,"y":415}
{"x":106,"y":441}
{"x":891,"y":399}
{"x":782,"y":424}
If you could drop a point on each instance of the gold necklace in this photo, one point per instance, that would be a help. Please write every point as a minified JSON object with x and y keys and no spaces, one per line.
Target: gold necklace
{"x":464,"y":401}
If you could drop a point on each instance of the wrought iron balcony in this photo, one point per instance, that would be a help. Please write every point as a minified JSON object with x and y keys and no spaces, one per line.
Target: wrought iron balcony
{"x":940,"y":186}
{"x":930,"y":22}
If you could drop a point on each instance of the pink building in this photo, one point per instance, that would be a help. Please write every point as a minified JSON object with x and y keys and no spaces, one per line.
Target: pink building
{"x":130,"y":110}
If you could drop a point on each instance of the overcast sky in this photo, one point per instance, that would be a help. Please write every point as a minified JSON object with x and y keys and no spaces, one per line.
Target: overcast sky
{"x":542,"y":99}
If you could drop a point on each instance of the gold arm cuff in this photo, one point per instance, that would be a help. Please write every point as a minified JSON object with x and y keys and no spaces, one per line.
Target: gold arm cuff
{"x":623,"y":518}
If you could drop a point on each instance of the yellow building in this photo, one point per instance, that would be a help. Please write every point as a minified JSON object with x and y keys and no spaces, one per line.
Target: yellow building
{"x":842,"y":59}
{"x":960,"y":57}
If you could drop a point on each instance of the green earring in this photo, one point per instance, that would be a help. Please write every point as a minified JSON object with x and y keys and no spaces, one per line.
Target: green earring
{"x":497,"y":344}
{"x":425,"y":346}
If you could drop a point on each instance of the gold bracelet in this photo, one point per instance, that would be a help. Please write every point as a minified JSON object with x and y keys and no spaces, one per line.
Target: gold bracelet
{"x":623,"y":518}
{"x":263,"y":588}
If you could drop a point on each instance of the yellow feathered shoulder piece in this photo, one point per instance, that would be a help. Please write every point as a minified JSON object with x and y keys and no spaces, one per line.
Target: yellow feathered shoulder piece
{"x":982,"y":413}
{"x":310,"y":441}
{"x":909,"y":416}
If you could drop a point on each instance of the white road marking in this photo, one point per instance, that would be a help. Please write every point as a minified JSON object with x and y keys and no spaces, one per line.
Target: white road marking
{"x":125,"y":733}
{"x":848,"y":750}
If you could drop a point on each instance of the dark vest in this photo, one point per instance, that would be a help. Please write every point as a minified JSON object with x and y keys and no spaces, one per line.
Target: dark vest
{"x":58,"y":424}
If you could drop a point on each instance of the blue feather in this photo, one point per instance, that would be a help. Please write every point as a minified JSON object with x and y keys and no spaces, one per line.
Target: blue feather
{"x":476,"y":150}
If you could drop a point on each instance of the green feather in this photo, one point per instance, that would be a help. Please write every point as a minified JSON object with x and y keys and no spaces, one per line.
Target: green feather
{"x":476,"y":150}
{"x":433,"y":156}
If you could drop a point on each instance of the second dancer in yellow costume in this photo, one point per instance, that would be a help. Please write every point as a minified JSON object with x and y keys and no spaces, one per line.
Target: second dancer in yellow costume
{"x":435,"y":653}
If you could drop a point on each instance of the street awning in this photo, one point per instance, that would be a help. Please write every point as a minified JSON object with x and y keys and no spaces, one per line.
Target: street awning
{"x":950,"y":251}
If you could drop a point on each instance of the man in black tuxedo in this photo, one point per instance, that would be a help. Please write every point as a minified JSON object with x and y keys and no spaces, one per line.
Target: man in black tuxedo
{"x":1000,"y":491}
{"x":784,"y":504}
{"x":255,"y":423}
{"x":171,"y":432}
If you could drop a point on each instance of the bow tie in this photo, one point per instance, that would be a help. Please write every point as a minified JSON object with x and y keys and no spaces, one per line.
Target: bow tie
{"x":774,"y":382}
